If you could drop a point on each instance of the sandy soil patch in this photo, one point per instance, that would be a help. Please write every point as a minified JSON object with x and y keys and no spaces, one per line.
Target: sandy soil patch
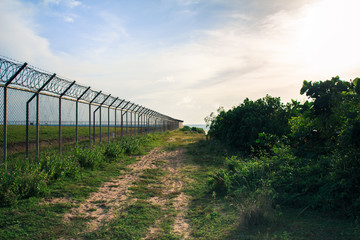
{"x":173,"y":184}
{"x":101,"y":205}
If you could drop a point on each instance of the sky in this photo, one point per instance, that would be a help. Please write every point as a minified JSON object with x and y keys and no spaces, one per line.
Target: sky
{"x":186,"y":58}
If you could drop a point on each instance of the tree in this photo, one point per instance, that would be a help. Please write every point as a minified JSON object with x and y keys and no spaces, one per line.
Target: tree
{"x":329,"y":121}
{"x":240,"y":126}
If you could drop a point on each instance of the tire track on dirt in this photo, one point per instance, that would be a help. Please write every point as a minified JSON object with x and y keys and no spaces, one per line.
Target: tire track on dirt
{"x":111,"y":196}
{"x":173,"y":184}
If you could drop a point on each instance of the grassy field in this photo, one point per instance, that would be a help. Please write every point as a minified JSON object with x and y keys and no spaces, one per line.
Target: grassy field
{"x":17,"y":133}
{"x":209,"y":216}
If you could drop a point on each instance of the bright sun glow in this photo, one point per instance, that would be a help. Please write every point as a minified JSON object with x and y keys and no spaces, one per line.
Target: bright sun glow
{"x":328,"y":36}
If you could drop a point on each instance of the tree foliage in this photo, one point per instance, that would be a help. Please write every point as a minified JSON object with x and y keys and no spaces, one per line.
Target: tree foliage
{"x":307,"y":153}
{"x":240,"y":126}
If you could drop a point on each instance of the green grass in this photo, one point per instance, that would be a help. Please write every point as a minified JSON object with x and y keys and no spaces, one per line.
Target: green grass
{"x":132,"y":223}
{"x":17,"y":133}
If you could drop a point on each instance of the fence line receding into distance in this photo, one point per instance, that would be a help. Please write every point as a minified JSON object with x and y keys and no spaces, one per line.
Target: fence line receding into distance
{"x":31,"y":98}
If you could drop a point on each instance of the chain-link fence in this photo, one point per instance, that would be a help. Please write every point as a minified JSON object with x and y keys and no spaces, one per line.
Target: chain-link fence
{"x":39,"y":110}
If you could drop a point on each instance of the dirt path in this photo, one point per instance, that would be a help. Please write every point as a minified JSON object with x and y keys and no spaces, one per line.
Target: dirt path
{"x":113,"y":196}
{"x":173,"y":196}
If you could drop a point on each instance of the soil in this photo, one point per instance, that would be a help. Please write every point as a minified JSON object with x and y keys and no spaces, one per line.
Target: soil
{"x":173,"y":184}
{"x":113,"y":196}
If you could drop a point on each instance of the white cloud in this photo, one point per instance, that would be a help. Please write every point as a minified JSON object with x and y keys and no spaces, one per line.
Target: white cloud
{"x":68,"y":19}
{"x":107,"y":34}
{"x":49,"y":2}
{"x":188,"y":2}
{"x":67,"y":3}
{"x":73,"y":3}
{"x":21,"y":41}
{"x":167,"y":79}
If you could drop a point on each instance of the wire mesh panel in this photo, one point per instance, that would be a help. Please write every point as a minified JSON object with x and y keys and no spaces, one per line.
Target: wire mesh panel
{"x":16,"y":119}
{"x":82,"y":123}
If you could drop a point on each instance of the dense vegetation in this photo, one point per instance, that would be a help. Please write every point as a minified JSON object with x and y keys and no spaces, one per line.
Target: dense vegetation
{"x":298,"y":154}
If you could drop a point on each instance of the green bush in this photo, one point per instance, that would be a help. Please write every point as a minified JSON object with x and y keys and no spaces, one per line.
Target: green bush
{"x":193,"y":129}
{"x":112,"y":151}
{"x":324,"y":183}
{"x":88,"y":157}
{"x":186,"y":129}
{"x":239,"y":127}
{"x":59,"y":166}
{"x":131,"y":145}
{"x":257,"y":208}
{"x":21,"y":183}
{"x":221,"y":182}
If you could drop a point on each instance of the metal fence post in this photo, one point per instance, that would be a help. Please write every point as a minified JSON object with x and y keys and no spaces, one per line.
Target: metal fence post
{"x":139,"y":117}
{"x":127,"y":122}
{"x":122,"y":123}
{"x":116,"y":114}
{"x":90,"y":116}
{"x":135,"y":112}
{"x":5,"y":109}
{"x":148,"y":122}
{"x":122,"y":118}
{"x":131,"y":113}
{"x":36,"y":94}
{"x":109,"y":117}
{"x":61,"y":95}
{"x":145,"y":120}
{"x":99,"y":107}
{"x":77,"y":115}
{"x":37,"y":116}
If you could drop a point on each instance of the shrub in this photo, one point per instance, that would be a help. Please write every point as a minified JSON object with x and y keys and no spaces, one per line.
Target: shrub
{"x":131,"y":145}
{"x":19,"y":183}
{"x":57,"y":166}
{"x":193,"y":129}
{"x":326,"y":183}
{"x":88,"y":157}
{"x":220,"y":182}
{"x":186,"y":129}
{"x":239,"y":127}
{"x":257,"y":208}
{"x":112,"y":151}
